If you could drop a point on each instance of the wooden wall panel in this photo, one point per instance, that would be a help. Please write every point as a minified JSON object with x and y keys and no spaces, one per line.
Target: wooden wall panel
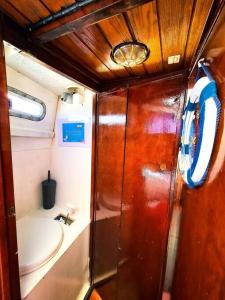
{"x":145,"y":16}
{"x":200,"y":262}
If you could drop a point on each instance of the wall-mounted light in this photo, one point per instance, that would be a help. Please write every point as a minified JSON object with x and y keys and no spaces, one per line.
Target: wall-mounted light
{"x":130,"y":54}
{"x":73,"y":95}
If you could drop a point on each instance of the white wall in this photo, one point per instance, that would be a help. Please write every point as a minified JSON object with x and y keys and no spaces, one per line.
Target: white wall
{"x":71,"y":166}
{"x":25,"y":127}
{"x":31,"y":161}
{"x":31,"y":155}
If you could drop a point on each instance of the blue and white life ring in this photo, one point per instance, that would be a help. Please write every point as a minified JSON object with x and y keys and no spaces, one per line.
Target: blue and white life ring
{"x":194,"y":157}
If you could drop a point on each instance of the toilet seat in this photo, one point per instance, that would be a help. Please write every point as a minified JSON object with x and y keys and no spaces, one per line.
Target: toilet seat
{"x":38,"y":239}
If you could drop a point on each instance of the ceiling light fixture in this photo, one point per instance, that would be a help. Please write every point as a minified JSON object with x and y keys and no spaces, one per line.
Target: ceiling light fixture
{"x":130,"y":54}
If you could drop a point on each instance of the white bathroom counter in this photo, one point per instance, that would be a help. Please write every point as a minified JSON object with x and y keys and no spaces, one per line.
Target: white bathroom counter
{"x":71,"y":233}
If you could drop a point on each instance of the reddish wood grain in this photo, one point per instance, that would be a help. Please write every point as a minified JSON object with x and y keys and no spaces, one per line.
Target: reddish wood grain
{"x":145,"y":16}
{"x":142,"y":178}
{"x":110,"y":148}
{"x":199,"y":18}
{"x":116,"y":31}
{"x":110,"y":140}
{"x":151,"y":151}
{"x":9,"y":269}
{"x":94,"y":39}
{"x":4,"y":268}
{"x":85,"y":17}
{"x":9,"y":9}
{"x":175,"y":19}
{"x":168,"y":28}
{"x":33,"y":10}
{"x":200,"y":262}
{"x":93,"y":171}
{"x":54,"y":58}
{"x":77,"y":51}
{"x":55,"y":6}
{"x":95,"y":296}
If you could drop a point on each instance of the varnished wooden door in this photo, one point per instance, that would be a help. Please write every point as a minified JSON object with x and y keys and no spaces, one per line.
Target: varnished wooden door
{"x":150,"y":164}
{"x":110,"y":141}
{"x":137,"y":144}
{"x":9,"y":274}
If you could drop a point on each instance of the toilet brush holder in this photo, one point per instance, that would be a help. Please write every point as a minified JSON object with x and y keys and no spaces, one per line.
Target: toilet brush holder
{"x":48,"y":192}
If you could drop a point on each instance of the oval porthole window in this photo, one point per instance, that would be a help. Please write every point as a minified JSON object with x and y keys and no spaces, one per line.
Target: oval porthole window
{"x":25,"y":106}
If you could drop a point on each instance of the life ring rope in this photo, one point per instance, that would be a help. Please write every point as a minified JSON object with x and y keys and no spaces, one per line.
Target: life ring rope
{"x":194,"y":160}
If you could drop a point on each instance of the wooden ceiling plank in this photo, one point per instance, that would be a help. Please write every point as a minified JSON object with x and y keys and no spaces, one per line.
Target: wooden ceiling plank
{"x":68,"y":2}
{"x":34,"y":10}
{"x":74,"y":47}
{"x":55,"y":6}
{"x":16,"y":15}
{"x":16,"y":35}
{"x":145,"y":16}
{"x":199,"y":19}
{"x":90,"y":55}
{"x":75,"y":64}
{"x":93,"y":39}
{"x":174,"y":18}
{"x":138,"y":69}
{"x":88,"y":15}
{"x":47,"y":8}
{"x":117,"y":31}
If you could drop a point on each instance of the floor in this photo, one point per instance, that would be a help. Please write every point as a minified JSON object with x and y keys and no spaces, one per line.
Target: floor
{"x":95,"y":296}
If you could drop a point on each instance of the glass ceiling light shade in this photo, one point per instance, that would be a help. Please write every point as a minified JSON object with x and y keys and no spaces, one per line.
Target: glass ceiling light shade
{"x":130,"y":54}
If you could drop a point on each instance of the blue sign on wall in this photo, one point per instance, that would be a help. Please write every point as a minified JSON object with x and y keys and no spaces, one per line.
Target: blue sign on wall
{"x":73,"y":132}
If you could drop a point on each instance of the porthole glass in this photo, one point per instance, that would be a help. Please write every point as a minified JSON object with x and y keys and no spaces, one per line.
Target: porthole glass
{"x":22,"y":105}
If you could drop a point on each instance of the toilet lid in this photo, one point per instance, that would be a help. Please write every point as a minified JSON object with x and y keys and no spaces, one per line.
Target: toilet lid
{"x":38,"y":241}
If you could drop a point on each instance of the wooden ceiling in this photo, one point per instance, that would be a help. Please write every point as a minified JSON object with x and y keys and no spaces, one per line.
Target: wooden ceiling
{"x":86,"y":37}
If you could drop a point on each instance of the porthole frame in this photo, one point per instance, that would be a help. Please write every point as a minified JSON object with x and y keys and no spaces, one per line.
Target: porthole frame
{"x":26,"y":115}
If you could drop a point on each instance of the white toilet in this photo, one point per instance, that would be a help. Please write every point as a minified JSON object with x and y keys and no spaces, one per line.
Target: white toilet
{"x":39,"y":239}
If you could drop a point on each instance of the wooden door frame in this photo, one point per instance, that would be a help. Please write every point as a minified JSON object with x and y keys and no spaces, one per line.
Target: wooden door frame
{"x":9,"y":268}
